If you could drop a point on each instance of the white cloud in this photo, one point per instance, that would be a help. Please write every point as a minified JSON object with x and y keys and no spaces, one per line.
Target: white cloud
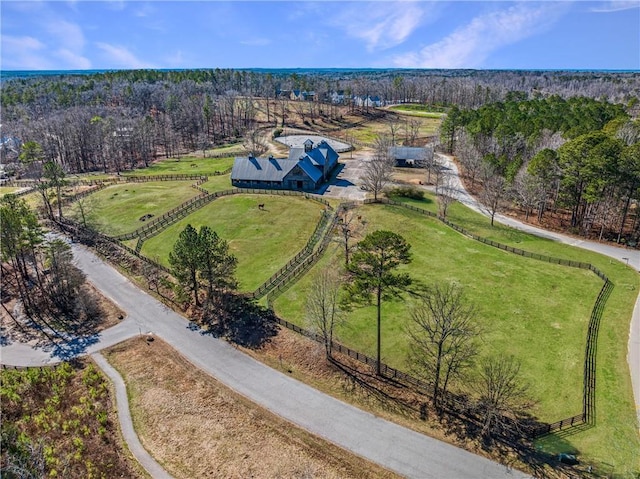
{"x":73,"y":60}
{"x":116,"y":5}
{"x":145,"y":10}
{"x":120,"y":57}
{"x":381,"y":25}
{"x":24,"y":53}
{"x":69,"y":34}
{"x":616,"y":6}
{"x":469,"y":46}
{"x":177,"y":60}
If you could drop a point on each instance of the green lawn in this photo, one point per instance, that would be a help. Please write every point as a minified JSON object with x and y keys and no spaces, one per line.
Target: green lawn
{"x":117,"y":209}
{"x":263,"y":241}
{"x":218,"y":183}
{"x":369,"y":131}
{"x":505,"y":288}
{"x":184,"y":166}
{"x":537,"y":311}
{"x":424,"y":111}
{"x":9,"y":190}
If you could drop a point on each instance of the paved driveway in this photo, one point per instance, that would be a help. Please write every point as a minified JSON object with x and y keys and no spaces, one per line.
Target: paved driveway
{"x":345,"y":185}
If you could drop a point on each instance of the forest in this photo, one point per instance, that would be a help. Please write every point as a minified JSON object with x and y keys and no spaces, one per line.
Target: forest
{"x":552,"y":139}
{"x":578,"y":154}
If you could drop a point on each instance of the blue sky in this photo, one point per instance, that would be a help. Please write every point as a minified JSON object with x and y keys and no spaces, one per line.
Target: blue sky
{"x":70,"y":35}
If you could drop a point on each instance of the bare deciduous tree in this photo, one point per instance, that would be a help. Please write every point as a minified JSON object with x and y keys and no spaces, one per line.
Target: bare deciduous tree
{"x":494,"y":191}
{"x":348,"y":228}
{"x":379,"y":169}
{"x":412,"y":130}
{"x":469,"y":156}
{"x":255,"y":143}
{"x":502,"y":395}
{"x":442,"y":337}
{"x":446,"y":192}
{"x":394,"y":123}
{"x":528,"y":192}
{"x":323,"y":306}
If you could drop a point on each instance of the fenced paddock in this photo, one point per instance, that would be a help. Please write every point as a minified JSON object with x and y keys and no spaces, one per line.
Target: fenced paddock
{"x":305,"y":259}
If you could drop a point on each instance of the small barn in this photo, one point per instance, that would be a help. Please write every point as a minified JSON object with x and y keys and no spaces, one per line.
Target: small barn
{"x":412,"y":157}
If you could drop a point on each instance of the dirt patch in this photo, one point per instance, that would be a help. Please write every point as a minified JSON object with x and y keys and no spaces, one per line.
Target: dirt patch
{"x":196,"y":427}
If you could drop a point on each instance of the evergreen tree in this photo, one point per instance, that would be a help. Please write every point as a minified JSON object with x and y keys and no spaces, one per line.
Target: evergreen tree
{"x":372,"y":268}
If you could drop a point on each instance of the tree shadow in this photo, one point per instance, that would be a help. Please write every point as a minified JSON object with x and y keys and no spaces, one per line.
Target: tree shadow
{"x":240,"y":320}
{"x":366,"y":381}
{"x":70,"y":349}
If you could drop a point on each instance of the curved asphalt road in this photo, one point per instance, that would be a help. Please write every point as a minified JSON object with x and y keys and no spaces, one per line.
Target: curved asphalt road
{"x":627,"y":256}
{"x":393,"y":447}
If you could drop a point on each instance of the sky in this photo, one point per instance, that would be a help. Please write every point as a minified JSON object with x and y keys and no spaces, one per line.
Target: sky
{"x":131,"y":34}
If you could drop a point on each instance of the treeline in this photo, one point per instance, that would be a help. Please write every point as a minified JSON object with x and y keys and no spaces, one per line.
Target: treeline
{"x":579,"y":154}
{"x":123,"y":119}
{"x":466,"y":88}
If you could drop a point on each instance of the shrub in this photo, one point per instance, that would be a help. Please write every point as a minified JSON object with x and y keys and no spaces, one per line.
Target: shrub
{"x":408,"y":191}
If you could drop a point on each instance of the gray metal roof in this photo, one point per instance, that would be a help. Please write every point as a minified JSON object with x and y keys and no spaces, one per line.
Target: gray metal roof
{"x":319,"y":155}
{"x":296,"y":153}
{"x":408,"y":153}
{"x":261,"y":169}
{"x":271,"y":169}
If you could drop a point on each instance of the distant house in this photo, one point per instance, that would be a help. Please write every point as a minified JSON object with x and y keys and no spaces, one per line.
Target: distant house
{"x":367,"y":100}
{"x":337,"y":97}
{"x":305,"y":169}
{"x":10,"y":147}
{"x":298,"y":95}
{"x":406,"y":156}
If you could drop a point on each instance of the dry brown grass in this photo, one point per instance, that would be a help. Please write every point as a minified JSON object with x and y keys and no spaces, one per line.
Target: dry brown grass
{"x":196,"y":427}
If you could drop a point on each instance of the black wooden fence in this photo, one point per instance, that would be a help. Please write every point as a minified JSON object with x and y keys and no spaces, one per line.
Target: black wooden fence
{"x":589,"y":380}
{"x":300,"y":258}
{"x":83,"y":194}
{"x":303,"y":261}
{"x":148,"y":178}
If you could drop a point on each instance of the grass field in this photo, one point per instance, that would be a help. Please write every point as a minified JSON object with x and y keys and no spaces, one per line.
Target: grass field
{"x":542,"y":321}
{"x":9,"y":190}
{"x":184,"y":166}
{"x":263,"y":241}
{"x":33,"y":199}
{"x":369,"y":131}
{"x":198,"y":428}
{"x":218,"y":183}
{"x":117,"y":209}
{"x":417,"y":110}
{"x":515,"y":319}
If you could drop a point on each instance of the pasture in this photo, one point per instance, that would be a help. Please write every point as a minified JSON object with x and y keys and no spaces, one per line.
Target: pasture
{"x":189,"y":165}
{"x":506,"y":291}
{"x":534,"y":310}
{"x":117,"y":209}
{"x":9,"y":190}
{"x":262,"y":240}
